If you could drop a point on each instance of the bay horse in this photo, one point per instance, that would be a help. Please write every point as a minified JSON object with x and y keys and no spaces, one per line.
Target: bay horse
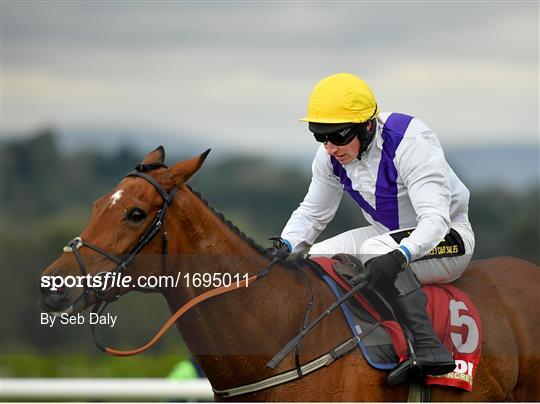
{"x":233,"y":335}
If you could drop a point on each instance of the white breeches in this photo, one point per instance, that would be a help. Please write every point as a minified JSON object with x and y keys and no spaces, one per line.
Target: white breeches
{"x":368,"y":242}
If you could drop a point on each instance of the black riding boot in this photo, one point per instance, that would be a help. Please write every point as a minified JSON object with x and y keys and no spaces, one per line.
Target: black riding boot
{"x":409,"y":305}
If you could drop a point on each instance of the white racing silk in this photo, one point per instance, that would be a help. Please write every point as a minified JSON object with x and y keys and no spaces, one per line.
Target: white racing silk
{"x":402,"y":181}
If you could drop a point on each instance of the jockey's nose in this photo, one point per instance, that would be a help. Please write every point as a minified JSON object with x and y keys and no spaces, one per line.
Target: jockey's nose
{"x":330,"y":148}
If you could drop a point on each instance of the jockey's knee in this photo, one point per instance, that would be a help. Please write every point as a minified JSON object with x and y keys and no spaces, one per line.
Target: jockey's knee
{"x":319,"y":249}
{"x":374,"y":247}
{"x":344,"y":243}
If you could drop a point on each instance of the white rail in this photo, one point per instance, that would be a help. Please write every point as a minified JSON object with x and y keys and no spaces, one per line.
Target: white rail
{"x":145,"y":389}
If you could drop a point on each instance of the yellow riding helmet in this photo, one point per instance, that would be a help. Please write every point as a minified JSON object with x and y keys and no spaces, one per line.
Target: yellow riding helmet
{"x":341,"y":98}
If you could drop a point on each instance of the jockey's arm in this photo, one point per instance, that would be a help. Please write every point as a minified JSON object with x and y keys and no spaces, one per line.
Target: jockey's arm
{"x":318,"y":207}
{"x":423,"y":169}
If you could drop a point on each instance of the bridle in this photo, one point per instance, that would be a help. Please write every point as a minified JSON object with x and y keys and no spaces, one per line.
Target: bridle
{"x":103,"y":296}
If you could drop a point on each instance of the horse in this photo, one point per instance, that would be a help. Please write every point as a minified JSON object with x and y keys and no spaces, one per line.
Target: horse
{"x":233,"y":335}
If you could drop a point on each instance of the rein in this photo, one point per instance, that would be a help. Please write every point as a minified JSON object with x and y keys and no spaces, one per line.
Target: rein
{"x":179,"y":313}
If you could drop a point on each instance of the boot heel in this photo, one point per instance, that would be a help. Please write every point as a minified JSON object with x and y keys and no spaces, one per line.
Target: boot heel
{"x":403,"y":372}
{"x":400,"y":374}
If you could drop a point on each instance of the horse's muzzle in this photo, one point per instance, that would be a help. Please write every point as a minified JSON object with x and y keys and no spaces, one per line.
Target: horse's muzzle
{"x":62,"y":300}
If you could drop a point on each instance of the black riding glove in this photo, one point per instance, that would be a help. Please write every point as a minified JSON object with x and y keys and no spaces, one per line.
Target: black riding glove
{"x":281,"y":248}
{"x":388,"y":265}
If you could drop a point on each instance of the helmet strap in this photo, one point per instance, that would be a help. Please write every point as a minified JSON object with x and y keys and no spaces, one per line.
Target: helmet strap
{"x":366,"y":136}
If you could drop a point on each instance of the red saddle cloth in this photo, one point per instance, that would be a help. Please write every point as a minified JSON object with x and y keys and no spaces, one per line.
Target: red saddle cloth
{"x":455,"y":321}
{"x":458,"y":326}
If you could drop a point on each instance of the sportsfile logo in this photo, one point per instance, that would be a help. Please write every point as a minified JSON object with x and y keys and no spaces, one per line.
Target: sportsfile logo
{"x":107,"y":280}
{"x":101,"y":281}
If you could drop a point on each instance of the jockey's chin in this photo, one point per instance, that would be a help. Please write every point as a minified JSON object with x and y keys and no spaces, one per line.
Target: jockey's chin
{"x":344,"y":159}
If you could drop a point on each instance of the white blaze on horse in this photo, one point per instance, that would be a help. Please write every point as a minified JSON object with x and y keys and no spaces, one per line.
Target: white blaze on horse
{"x":116,"y":197}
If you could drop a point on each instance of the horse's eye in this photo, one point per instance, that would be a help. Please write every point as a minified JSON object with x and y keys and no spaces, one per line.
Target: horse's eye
{"x":136,"y":215}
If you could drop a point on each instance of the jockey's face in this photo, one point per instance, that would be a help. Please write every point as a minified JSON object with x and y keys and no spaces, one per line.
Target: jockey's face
{"x":344,"y":154}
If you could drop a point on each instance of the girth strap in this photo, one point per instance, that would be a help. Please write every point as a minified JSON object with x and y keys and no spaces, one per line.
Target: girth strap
{"x":294,"y":374}
{"x":419,"y":392}
{"x":291,"y":375}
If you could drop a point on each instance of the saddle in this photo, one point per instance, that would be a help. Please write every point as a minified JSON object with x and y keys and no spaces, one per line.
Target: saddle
{"x":386,"y":345}
{"x":348,"y":267}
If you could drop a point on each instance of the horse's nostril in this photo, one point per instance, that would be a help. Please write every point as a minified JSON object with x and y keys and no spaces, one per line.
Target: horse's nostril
{"x":58,"y":291}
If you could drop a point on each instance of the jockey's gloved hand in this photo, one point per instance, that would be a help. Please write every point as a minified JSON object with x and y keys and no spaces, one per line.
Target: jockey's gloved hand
{"x":389,"y":265}
{"x":281,"y":248}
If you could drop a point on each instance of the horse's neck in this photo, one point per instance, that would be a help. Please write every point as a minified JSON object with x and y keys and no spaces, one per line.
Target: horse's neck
{"x":245,"y":322}
{"x":204,"y":243}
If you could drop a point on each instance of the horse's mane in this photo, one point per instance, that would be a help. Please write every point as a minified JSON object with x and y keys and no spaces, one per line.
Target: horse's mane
{"x":252,"y":243}
{"x":295,"y":263}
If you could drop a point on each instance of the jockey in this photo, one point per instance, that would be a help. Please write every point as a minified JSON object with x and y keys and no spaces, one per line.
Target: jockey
{"x":394,"y":168}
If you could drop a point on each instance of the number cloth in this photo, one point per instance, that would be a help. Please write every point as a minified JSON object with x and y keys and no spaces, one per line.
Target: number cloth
{"x":457,"y":324}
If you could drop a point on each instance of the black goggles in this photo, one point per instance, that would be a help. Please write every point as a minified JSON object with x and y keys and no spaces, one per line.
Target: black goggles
{"x":341,"y":138}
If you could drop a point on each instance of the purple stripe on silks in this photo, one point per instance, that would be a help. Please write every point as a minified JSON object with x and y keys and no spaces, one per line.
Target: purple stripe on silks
{"x":386,"y":187}
{"x":386,"y":211}
{"x":340,"y":172}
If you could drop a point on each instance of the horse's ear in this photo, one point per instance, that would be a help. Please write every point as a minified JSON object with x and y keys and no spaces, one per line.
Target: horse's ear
{"x":155,"y":157}
{"x":184,"y":170}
